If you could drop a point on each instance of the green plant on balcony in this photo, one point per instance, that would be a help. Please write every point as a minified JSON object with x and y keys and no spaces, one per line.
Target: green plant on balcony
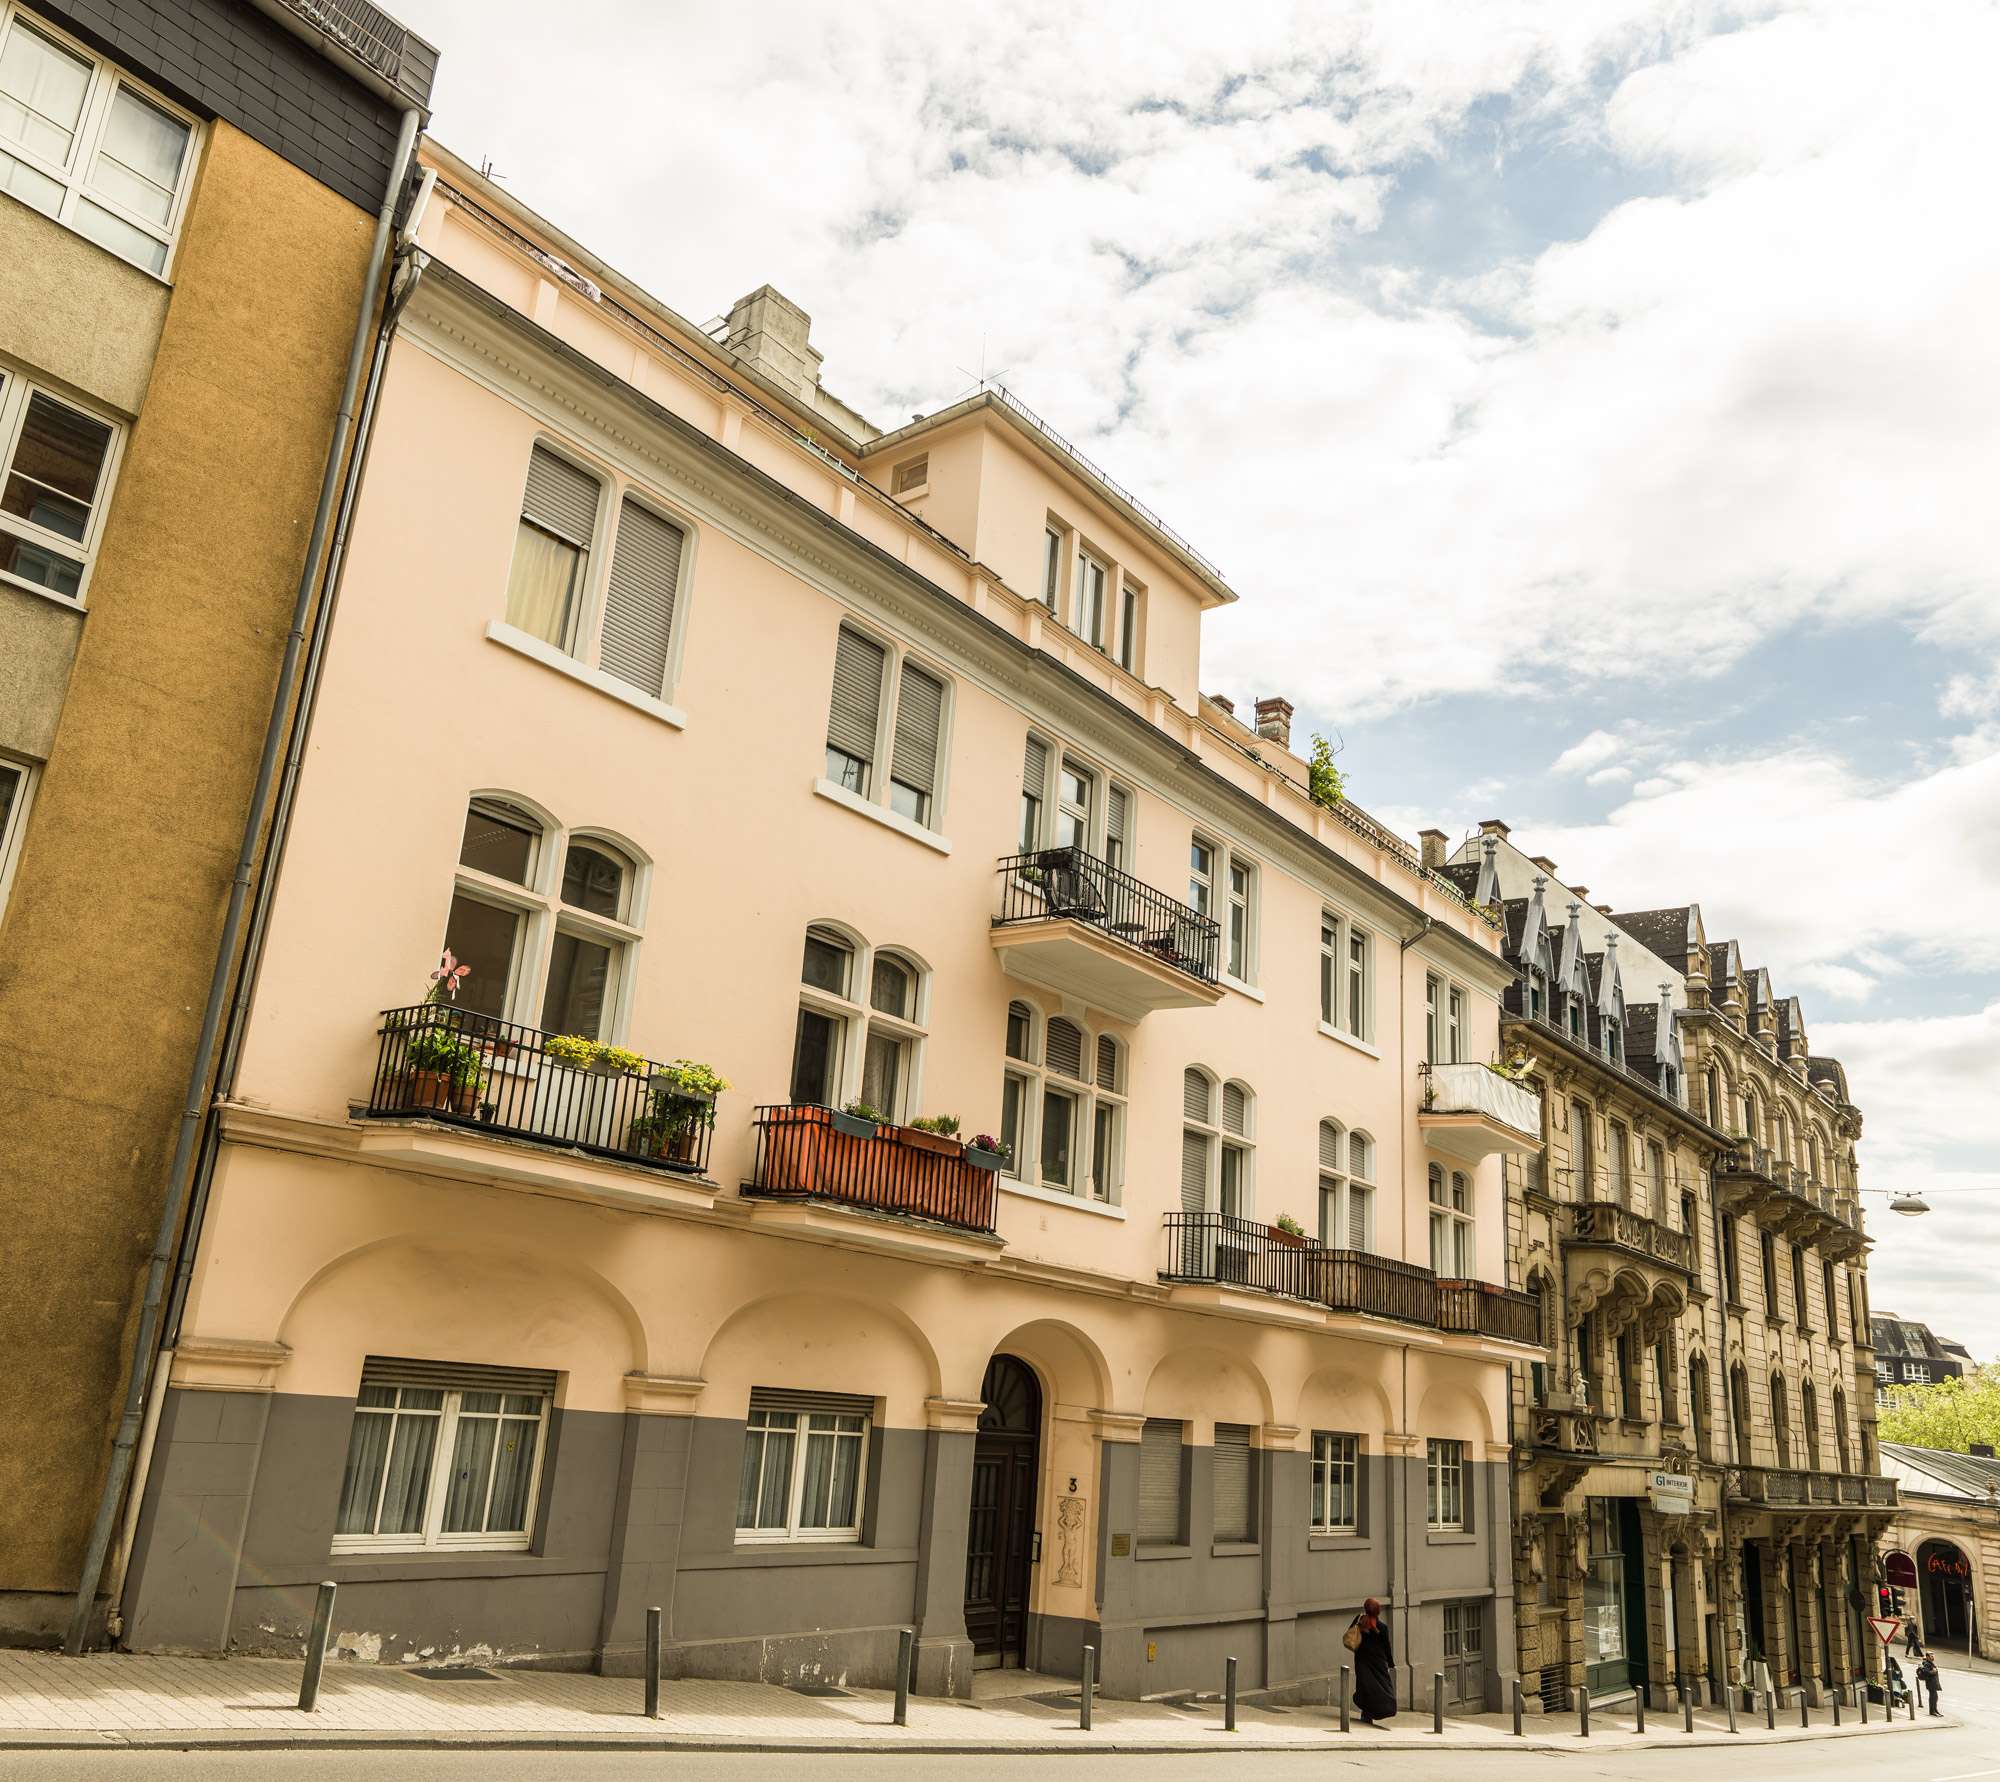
{"x":944,"y":1125}
{"x":579,"y":1053}
{"x":443,"y":1068}
{"x":680,"y":1104}
{"x":447,"y":1053}
{"x":1325,"y":783}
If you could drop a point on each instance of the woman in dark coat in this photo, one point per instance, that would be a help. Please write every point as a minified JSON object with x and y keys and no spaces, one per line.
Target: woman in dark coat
{"x":1374,"y":1665}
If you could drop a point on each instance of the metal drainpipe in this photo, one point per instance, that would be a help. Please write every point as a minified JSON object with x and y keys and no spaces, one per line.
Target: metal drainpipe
{"x":139,"y":1368}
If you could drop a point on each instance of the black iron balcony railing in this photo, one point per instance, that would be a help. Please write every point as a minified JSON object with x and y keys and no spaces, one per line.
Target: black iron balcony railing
{"x":804,"y":1153}
{"x":1222,"y":1250}
{"x":1079,"y":887}
{"x":447,"y":1063}
{"x":1619,"y":1228}
{"x":1479,"y":1308}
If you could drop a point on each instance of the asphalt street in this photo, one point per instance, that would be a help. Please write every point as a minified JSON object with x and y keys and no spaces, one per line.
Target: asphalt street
{"x":1969,"y":1752}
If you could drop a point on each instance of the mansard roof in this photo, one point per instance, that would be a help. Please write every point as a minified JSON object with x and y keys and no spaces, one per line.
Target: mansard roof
{"x":1829,"y":1072}
{"x":1670,"y":933}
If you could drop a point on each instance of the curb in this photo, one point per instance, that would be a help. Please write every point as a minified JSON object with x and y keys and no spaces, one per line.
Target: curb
{"x":218,"y":1739}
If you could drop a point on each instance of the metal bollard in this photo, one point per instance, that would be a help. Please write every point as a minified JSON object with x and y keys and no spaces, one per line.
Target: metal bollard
{"x":1229,"y":1695}
{"x":1805,"y":1710}
{"x":1089,"y":1688}
{"x":1517,"y":1707}
{"x":1583,"y":1710}
{"x":1687,"y":1707}
{"x":1913,"y":1705}
{"x":906,"y":1641}
{"x":316,"y":1648}
{"x":1729,"y":1701}
{"x":1838,"y":1692}
{"x":1639,"y":1707}
{"x":652,"y":1664}
{"x":1437,"y":1701}
{"x":1343,"y":1699}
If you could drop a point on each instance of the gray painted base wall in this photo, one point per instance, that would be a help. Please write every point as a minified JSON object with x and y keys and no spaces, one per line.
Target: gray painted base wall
{"x":640,"y":1511}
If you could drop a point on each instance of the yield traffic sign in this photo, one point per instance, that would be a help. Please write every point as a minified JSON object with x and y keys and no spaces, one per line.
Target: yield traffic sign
{"x":1885,"y":1627}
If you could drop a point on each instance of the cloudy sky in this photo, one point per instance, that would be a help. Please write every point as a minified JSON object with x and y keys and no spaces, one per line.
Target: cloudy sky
{"x":1593,"y":400}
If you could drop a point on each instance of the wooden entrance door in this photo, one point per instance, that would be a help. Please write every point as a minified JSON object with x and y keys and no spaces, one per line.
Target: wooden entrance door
{"x":1000,"y":1528}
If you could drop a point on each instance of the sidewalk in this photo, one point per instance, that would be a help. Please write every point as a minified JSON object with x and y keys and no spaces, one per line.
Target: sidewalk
{"x":107,"y":1700}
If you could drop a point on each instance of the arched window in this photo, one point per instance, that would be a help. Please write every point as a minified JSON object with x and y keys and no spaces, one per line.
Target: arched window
{"x":1698,"y":1404}
{"x":1346,"y":1195}
{"x":1840,"y":1449}
{"x":1062,"y":1110}
{"x":1618,"y":1147}
{"x":1234,"y":1194}
{"x":1809,"y":1422}
{"x":1582,"y":1173}
{"x":1739,"y":1411}
{"x":1199,"y":1139}
{"x":545,"y":920}
{"x":850,"y":1048}
{"x":1781,"y":1420}
{"x":1451,"y":1224}
{"x":1832,"y":1298}
{"x":1656,"y":1171}
{"x":1712,"y":1087}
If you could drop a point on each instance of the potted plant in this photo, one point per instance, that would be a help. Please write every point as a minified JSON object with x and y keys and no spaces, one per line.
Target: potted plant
{"x":442,"y":1065}
{"x":680,"y":1106}
{"x":984,"y":1151}
{"x":934,"y":1132}
{"x":1289,"y":1231}
{"x":858,"y":1120}
{"x":570,"y":1049}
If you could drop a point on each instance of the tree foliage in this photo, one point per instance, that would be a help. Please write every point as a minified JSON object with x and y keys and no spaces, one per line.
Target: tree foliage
{"x":1951,"y":1415}
{"x":1325,"y":782}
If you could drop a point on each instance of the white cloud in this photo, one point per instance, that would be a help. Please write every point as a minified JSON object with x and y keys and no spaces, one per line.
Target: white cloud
{"x":1593,"y":751}
{"x":1607,"y":776}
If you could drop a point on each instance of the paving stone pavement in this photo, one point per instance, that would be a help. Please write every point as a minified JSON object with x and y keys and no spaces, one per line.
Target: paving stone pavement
{"x":48,"y":1700}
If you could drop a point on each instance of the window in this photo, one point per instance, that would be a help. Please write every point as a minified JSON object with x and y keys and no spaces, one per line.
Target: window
{"x":1781,"y":1420}
{"x":1454,"y":1025}
{"x":1768,"y":1252}
{"x":1233,"y":1187}
{"x":911,"y":474}
{"x":1444,"y":1484}
{"x":1216,"y":1149}
{"x":86,"y":145}
{"x":879,"y":1043}
{"x":1618,"y":1145}
{"x":1732,"y":1285}
{"x":1336,"y":1483}
{"x":1582,"y":1172}
{"x":55,"y":463}
{"x":1360,"y":988}
{"x":546,"y":921}
{"x":1201,"y":877}
{"x":1832,"y":1302}
{"x":626,"y":626}
{"x":1235,"y":1483}
{"x":1799,"y":1310}
{"x":1082,"y":809}
{"x":1691,"y":1222}
{"x":1840,"y":1449}
{"x":1433,"y":1020}
{"x":1117,"y":824}
{"x":16,"y":785}
{"x":872,"y":709}
{"x":1739,"y":1411}
{"x":1198,"y":1139}
{"x":1656,"y":1171}
{"x":1451,"y":1224}
{"x":1160,"y":1518}
{"x":490,"y":1421}
{"x":1242,"y":878}
{"x":1126,"y":649}
{"x":1698,"y":1405}
{"x":1052,"y":561}
{"x":1059,"y":1096}
{"x":1346,"y":1198}
{"x":1076,"y":798}
{"x":1346,"y":984}
{"x":1092,"y":579}
{"x":1614,"y":1029}
{"x":1917,"y":1372}
{"x":1329,"y":968}
{"x":1034,"y":790}
{"x":805,"y":1464}
{"x":1809,"y":1422}
{"x":1630,"y":1398}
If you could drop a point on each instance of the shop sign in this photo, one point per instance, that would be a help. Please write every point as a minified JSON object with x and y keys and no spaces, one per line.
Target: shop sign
{"x":1672,"y":1493}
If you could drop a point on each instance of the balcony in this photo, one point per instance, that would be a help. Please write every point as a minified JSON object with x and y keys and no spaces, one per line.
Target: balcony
{"x":447,"y":1064}
{"x":1077,"y":925}
{"x":807,"y":1153}
{"x":1220,"y":1250}
{"x":1605,"y":1225}
{"x":1473,"y":1112}
{"x":1478,"y":1308}
{"x":1793,"y":1488}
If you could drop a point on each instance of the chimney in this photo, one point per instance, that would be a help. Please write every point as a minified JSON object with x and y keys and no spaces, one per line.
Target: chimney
{"x":1545,"y":863}
{"x":1493,"y":826}
{"x":1274,"y":721}
{"x":1581,"y":893}
{"x":769,"y":330}
{"x":1433,"y":841}
{"x":1984,"y":1450}
{"x":1228,"y":705}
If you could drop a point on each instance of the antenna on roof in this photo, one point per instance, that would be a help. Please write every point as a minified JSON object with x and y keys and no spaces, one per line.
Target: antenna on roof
{"x":982,"y":377}
{"x":486,"y":169}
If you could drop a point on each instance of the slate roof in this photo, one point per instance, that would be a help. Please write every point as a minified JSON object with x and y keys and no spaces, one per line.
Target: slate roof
{"x":1958,"y":1475}
{"x":1464,"y":876}
{"x":1829,"y":1071}
{"x":1664,"y":932}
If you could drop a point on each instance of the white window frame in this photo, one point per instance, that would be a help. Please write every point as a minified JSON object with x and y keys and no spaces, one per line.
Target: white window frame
{"x":1336,"y":1455}
{"x":1444,"y":1485}
{"x":793,"y":1534}
{"x":73,"y":173}
{"x":1237,"y":866}
{"x":855,"y":1013}
{"x":14,"y":827}
{"x":1216,"y":1137}
{"x":17,"y":390}
{"x":1088,"y":560}
{"x":880,"y":793}
{"x":907,"y":1031}
{"x":1086,"y":1094}
{"x":545,"y":915}
{"x":1055,"y":558}
{"x":1450,"y":1194}
{"x":583,"y":647}
{"x":1048,"y":795}
{"x":1343,"y":1182}
{"x":432,"y":1538}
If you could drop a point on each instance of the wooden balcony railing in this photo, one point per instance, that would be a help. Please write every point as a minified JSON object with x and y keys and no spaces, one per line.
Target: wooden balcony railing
{"x":1479,"y":1308}
{"x":1221,"y":1250}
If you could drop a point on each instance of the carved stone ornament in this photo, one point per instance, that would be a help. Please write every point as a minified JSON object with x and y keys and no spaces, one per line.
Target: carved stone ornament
{"x":1069,"y":1541}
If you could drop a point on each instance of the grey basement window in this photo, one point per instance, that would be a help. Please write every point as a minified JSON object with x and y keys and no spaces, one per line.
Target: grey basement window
{"x":1160,"y":1521}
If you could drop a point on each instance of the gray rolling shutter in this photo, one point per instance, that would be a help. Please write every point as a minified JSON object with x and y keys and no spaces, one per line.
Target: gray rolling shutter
{"x":919,"y":718}
{"x":454,"y":1376}
{"x":639,"y":599}
{"x":1358,"y":1200}
{"x":1194,"y":1172}
{"x":768,"y":1398}
{"x":1107,"y":1062}
{"x":1329,"y":1145}
{"x":1235,"y":1108}
{"x":1160,"y":1482}
{"x":1114,"y":820}
{"x":857,"y":695}
{"x":1233,"y":1521}
{"x":1194,"y":1096}
{"x":1065,"y":1049}
{"x":560,"y":497}
{"x":1035,"y":768}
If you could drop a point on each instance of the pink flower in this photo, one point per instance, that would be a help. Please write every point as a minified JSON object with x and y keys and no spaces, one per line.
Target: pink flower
{"x":448,"y":976}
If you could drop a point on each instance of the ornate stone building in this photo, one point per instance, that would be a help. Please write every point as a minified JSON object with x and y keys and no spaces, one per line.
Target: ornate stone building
{"x":1692,"y":1457}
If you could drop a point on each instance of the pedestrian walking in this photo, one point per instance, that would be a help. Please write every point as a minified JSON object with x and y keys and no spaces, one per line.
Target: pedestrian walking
{"x":1911,"y":1647}
{"x":1929,"y":1681}
{"x":1374,"y":1664}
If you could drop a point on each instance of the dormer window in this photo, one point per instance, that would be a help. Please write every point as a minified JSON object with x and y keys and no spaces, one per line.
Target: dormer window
{"x":1535,"y":995}
{"x":1575,"y":1017}
{"x":912,"y":476}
